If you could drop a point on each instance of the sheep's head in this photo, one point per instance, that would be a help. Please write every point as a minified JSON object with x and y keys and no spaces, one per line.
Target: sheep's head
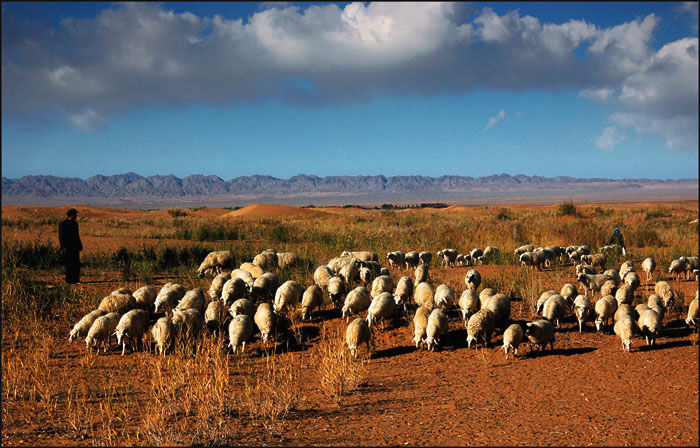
{"x":72,"y":335}
{"x":430,"y":343}
{"x":470,"y":339}
{"x":626,"y":345}
{"x":598,"y":323}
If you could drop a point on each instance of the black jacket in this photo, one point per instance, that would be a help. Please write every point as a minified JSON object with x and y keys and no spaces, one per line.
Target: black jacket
{"x":616,"y":238}
{"x":68,"y":235}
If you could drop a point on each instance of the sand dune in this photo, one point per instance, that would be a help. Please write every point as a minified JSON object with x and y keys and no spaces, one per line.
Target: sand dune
{"x":270,"y":211}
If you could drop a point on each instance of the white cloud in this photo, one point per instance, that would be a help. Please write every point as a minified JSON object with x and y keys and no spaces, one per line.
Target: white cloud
{"x":610,"y":138}
{"x":87,"y":120}
{"x":493,"y":121}
{"x":601,"y":95}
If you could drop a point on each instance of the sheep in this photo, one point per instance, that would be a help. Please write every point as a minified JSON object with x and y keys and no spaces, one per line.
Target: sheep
{"x":541,"y":333}
{"x":592,"y":282}
{"x":265,"y":286}
{"x":499,"y":304}
{"x":411,"y":259}
{"x":490,"y":252}
{"x":381,"y":307}
{"x":244,"y":275}
{"x":216,"y":262}
{"x":336,"y":289}
{"x":547,"y":255}
{"x":693,"y":313}
{"x":396,"y":259}
{"x":605,"y":308}
{"x":81,"y":328}
{"x":214,"y":316}
{"x":625,"y":295}
{"x":595,"y":260}
{"x":234,"y":289}
{"x":512,"y":338}
{"x":421,"y":274}
{"x":193,"y":299}
{"x":119,"y":302}
{"x":335,"y":264}
{"x":322,"y":276}
{"x":613,"y":249}
{"x":404,"y":291}
{"x":476,"y":254}
{"x":569,"y":292}
{"x":254,"y":270}
{"x":358,"y":332}
{"x":373,"y":266}
{"x":163,"y":333}
{"x":640,"y":308}
{"x":356,"y":301}
{"x":242,"y":306}
{"x":145,"y":297}
{"x":468,"y":304}
{"x":168,"y":297}
{"x":287,"y":260}
{"x":614,"y":275}
{"x":664,"y":290}
{"x":627,"y":266}
{"x":383,"y":283}
{"x":623,"y":310}
{"x":692,"y":264}
{"x":632,"y":280}
{"x":384,"y":271}
{"x":366,"y":276}
{"x":485,"y":294}
{"x":350,"y":273}
{"x":101,"y":330}
{"x":131,"y":328}
{"x":677,"y":267}
{"x":543,"y":298}
{"x":444,"y":297}
{"x":311,"y":299}
{"x":522,"y":249}
{"x":480,"y":324}
{"x":656,"y":303}
{"x":362,"y":255}
{"x":425,"y":257}
{"x":575,"y":255}
{"x":423,"y":295}
{"x":448,"y":257}
{"x":649,"y":324}
{"x":188,"y":323}
{"x":266,"y":319}
{"x":287,"y":295}
{"x":437,"y":325}
{"x":533,"y":259}
{"x":609,"y":288}
{"x":463,"y":260}
{"x":266,"y":261}
{"x":555,"y":309}
{"x":239,"y":332}
{"x":420,"y":325}
{"x":585,"y":269}
{"x":472,"y":279}
{"x":583,"y":309}
{"x":624,"y":329}
{"x":217,"y":285}
{"x":649,"y":265}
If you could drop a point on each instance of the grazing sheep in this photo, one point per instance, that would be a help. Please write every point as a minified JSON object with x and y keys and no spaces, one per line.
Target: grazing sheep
{"x":101,"y":330}
{"x":244,"y":275}
{"x":624,"y":329}
{"x":692,"y":264}
{"x":310,"y":300}
{"x":411,"y":259}
{"x":242,"y":306}
{"x":444,"y":297}
{"x":424,"y":295}
{"x":693,"y":313}
{"x":547,"y":253}
{"x":664,"y":290}
{"x":605,"y":308}
{"x":463,"y":260}
{"x":214,"y":316}
{"x":420,"y":274}
{"x":266,"y":319}
{"x":287,"y":260}
{"x":322,"y":276}
{"x":384,"y":271}
{"x":131,"y":328}
{"x":613,"y":275}
{"x":575,"y":255}
{"x":640,"y":308}
{"x":168,"y":297}
{"x":522,"y":249}
{"x":569,"y":292}
{"x":480,"y":324}
{"x":539,"y":307}
{"x":264,"y":287}
{"x":362,"y":255}
{"x":627,"y":266}
{"x":404,"y":291}
{"x":266,"y":261}
{"x":239,"y":332}
{"x":216,"y":262}
{"x":188,"y":323}
{"x":119,"y":301}
{"x":448,"y":257}
{"x":649,"y":324}
{"x":585,"y":269}
{"x":420,"y":325}
{"x":625,"y":295}
{"x":632,"y":280}
{"x":592,"y":282}
{"x":81,"y":328}
{"x":533,"y":259}
{"x":193,"y":299}
{"x":235,"y":288}
{"x":357,"y":333}
{"x":382,"y":307}
{"x":350,"y":273}
{"x":485,"y":294}
{"x":540,"y":333}
{"x":437,"y":325}
{"x":366,"y":276}
{"x":594,"y":260}
{"x":163,"y":333}
{"x":336,"y":289}
{"x":468,"y":304}
{"x":145,"y":297}
{"x":396,"y":259}
{"x":656,"y":303}
{"x":472,"y":279}
{"x":613,"y":249}
{"x":677,"y":267}
{"x":217,"y":285}
{"x":356,"y":301}
{"x":254,"y":270}
{"x":512,"y":338}
{"x":490,"y":252}
{"x":287,"y":295}
{"x":383,"y":283}
{"x":649,"y":265}
{"x":583,"y":309}
{"x":476,"y":255}
{"x":609,"y":288}
{"x":555,"y":309}
{"x":624,"y":310}
{"x":335,"y":264}
{"x":499,"y":304}
{"x":425,"y":257}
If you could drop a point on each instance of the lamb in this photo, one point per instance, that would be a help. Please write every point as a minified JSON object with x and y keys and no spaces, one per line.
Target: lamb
{"x":362,"y":255}
{"x":287,"y":295}
{"x":411,"y":259}
{"x":609,"y":288}
{"x":583,"y":309}
{"x":522,"y":249}
{"x":533,"y":259}
{"x":632,"y":280}
{"x":693,"y":316}
{"x":119,"y":301}
{"x":264,"y":287}
{"x":424,"y":295}
{"x":425,"y":257}
{"x":242,"y":306}
{"x":254,"y":270}
{"x":444,"y":297}
{"x":235,"y":288}
{"x":216,"y":261}
{"x":539,"y":307}
{"x":592,"y":282}
{"x":311,"y":299}
{"x":584,"y":269}
{"x":266,"y":319}
{"x":356,"y":301}
{"x":396,"y":259}
{"x":218,"y":284}
{"x":239,"y":332}
{"x":624,"y":294}
{"x":420,"y":325}
{"x":499,"y":304}
{"x":540,"y":333}
{"x":336,"y":289}
{"x":649,"y":265}
{"x":214,"y":316}
{"x":490,"y":252}
{"x":594,"y":260}
{"x":437,"y":325}
{"x":145,"y":297}
{"x":649,"y":324}
{"x":468,"y":304}
{"x":81,"y":328}
{"x":512,"y":338}
{"x":322,"y":276}
{"x":555,"y":309}
{"x":286,"y":260}
{"x":168,"y":297}
{"x":383,"y":283}
{"x":677,"y":267}
{"x":193,"y":299}
{"x":382,"y":307}
{"x":448,"y":257}
{"x":244,"y":275}
{"x":101,"y":330}
{"x":420,"y":274}
{"x":404,"y":291}
{"x":131,"y":328}
{"x":266,"y":261}
{"x":624,"y":329}
{"x":472,"y":279}
{"x":480,"y":324}
{"x":664,"y":290}
{"x":163,"y":333}
{"x":605,"y":308}
{"x":569,"y":292}
{"x":357,"y":333}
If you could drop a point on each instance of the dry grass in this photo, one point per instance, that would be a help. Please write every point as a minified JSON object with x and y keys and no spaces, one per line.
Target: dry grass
{"x":339,"y":371}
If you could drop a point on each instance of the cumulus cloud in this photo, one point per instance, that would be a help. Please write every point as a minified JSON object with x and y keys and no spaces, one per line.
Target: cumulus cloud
{"x":610,"y":138}
{"x":601,"y":95}
{"x":87,"y":120}
{"x":493,"y":121}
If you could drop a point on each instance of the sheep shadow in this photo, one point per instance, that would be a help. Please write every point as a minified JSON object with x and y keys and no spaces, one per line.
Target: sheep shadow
{"x":666,"y":345}
{"x":535,"y":353}
{"x":326,"y":314}
{"x":393,"y":351}
{"x":677,"y":332}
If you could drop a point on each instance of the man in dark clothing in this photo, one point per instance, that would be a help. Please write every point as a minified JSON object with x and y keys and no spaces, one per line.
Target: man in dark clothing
{"x":617,"y":238}
{"x":69,"y":239}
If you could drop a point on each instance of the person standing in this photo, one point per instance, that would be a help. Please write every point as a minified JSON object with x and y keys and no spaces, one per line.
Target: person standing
{"x":617,"y":238}
{"x":69,"y":239}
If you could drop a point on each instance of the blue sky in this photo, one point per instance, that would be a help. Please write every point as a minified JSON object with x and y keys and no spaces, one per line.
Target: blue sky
{"x":235,"y":89}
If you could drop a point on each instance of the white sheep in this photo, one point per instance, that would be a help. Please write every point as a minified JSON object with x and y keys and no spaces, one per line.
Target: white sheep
{"x":499,"y":304}
{"x":480,"y":324}
{"x":595,"y":260}
{"x":420,"y":274}
{"x":539,"y":306}
{"x":101,"y":331}
{"x":266,"y":319}
{"x":286,"y":260}
{"x":468,"y":304}
{"x":585,"y":269}
{"x":193,"y":299}
{"x":664,"y":290}
{"x":216,"y":262}
{"x":624,"y":310}
{"x":425,"y":257}
{"x":592,"y":282}
{"x":472,"y":279}
{"x":533,"y":259}
{"x":583,"y":309}
{"x":335,"y":264}
{"x":490,"y":252}
{"x":119,"y":301}
{"x":677,"y":267}
{"x":624,"y":329}
{"x":448,"y":256}
{"x":235,"y":288}
{"x":366,"y":276}
{"x":632,"y":279}
{"x":569,"y":292}
{"x":322,"y":276}
{"x":214,"y":316}
{"x":404,"y":291}
{"x":624,"y":294}
{"x":145,"y":297}
{"x":649,"y":324}
{"x":239,"y":332}
{"x":381,"y":307}
{"x":512,"y":338}
{"x":423,"y":295}
{"x":336,"y":289}
{"x":411,"y":259}
{"x":541,"y":333}
{"x":350,"y":273}
{"x":437,"y":325}
{"x":420,"y":325}
{"x":218,"y":284}
{"x":264,"y":287}
{"x":649,"y":265}
{"x":627,"y":266}
{"x":188,"y":323}
{"x":476,"y":255}
{"x":613,"y":275}
{"x":609,"y":288}
{"x":163,"y":333}
{"x":555,"y":309}
{"x":254,"y":270}
{"x":396,"y":259}
{"x":356,"y":301}
{"x":310,"y":300}
{"x":242,"y":306}
{"x":693,"y":313}
{"x":381,"y":284}
{"x":244,"y":275}
{"x":463,"y":260}
{"x":81,"y":328}
{"x":358,"y":332}
{"x":605,"y":308}
{"x":444,"y":297}
{"x":266,"y":260}
{"x":362,"y":255}
{"x":168,"y":297}
{"x":522,"y":249}
{"x":485,"y":294}
{"x":692,"y":264}
{"x":656,"y":303}
{"x":131,"y":328}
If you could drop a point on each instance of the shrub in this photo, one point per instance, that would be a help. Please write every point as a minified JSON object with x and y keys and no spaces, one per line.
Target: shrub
{"x":567,"y":209}
{"x":505,"y":215}
{"x":177,"y":212}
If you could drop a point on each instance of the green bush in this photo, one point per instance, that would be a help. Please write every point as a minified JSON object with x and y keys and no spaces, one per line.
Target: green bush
{"x":567,"y":209}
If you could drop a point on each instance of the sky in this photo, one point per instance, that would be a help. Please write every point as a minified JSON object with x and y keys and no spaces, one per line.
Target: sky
{"x":236,"y":89}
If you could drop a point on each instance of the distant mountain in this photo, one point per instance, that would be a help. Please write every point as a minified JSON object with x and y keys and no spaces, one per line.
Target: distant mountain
{"x":132,"y":187}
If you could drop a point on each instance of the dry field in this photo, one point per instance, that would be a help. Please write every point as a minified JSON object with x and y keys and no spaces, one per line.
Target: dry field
{"x":303,"y":388}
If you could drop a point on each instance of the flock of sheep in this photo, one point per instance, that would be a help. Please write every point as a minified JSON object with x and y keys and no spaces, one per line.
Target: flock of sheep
{"x":251,"y":296}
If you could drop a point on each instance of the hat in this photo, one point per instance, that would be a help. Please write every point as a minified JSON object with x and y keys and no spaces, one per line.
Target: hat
{"x":616,"y":229}
{"x":72,"y":212}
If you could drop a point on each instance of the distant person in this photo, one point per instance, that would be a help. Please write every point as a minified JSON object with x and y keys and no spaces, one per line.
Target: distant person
{"x":69,"y":239}
{"x":618,"y":239}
